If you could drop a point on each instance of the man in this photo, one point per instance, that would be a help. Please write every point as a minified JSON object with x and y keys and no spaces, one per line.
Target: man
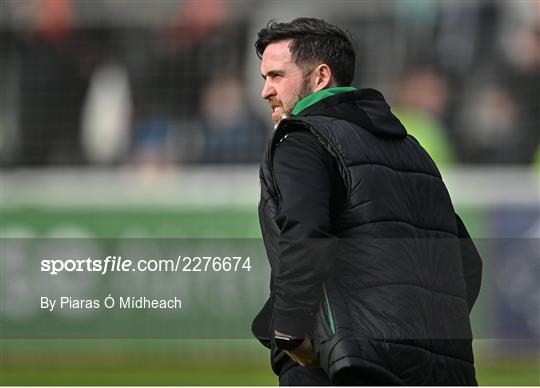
{"x":373,"y":275}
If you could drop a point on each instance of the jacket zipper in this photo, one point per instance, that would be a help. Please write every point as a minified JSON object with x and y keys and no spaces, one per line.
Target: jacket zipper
{"x":330,"y":315}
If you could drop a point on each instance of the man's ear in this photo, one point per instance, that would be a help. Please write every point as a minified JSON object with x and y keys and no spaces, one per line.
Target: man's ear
{"x":323,"y":77}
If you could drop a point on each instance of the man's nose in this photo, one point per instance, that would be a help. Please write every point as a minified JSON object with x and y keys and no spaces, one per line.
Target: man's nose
{"x":267,"y":91}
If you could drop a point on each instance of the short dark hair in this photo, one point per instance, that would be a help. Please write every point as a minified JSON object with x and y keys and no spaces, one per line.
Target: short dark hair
{"x":313,"y":41}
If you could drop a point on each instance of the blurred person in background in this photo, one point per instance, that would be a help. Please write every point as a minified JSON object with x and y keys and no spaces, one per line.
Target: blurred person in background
{"x":53,"y":83}
{"x":232,"y":133}
{"x":420,"y":102}
{"x":373,"y":275}
{"x":523,"y":84}
{"x":106,"y":114}
{"x":499,"y":114}
{"x":488,"y":132}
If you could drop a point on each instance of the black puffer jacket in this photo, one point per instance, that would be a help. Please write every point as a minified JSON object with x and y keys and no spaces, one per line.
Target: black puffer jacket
{"x":395,"y":302}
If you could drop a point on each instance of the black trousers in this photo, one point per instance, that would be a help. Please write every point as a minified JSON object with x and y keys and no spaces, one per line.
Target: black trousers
{"x":299,"y":375}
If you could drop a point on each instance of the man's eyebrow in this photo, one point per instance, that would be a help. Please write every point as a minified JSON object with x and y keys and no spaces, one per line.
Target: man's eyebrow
{"x":272,"y":73}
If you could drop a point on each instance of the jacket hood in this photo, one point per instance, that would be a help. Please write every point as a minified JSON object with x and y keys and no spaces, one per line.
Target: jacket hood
{"x":364,"y":107}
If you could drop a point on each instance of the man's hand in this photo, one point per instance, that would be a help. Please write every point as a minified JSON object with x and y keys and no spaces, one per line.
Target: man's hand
{"x":302,"y":354}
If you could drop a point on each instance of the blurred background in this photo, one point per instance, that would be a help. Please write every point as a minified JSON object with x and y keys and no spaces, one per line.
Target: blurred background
{"x":144,"y":119}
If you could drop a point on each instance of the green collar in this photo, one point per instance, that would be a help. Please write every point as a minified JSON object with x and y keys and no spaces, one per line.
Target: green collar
{"x":318,"y":96}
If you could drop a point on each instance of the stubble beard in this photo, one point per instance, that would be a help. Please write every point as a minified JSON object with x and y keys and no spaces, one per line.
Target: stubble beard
{"x":303,"y":91}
